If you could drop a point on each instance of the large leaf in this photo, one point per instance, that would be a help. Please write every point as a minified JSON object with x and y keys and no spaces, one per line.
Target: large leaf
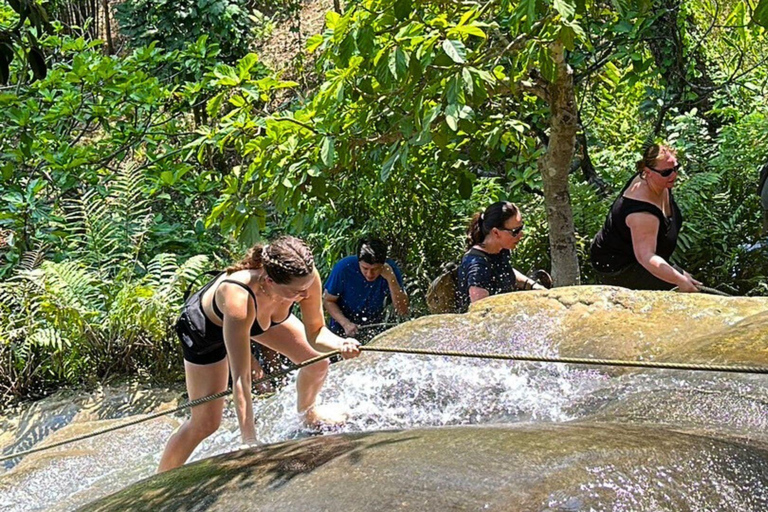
{"x":760,"y":16}
{"x":566,"y":8}
{"x":365,"y":40}
{"x":389,"y":163}
{"x":37,"y":63}
{"x":403,"y":9}
{"x":455,"y":50}
{"x":328,"y":152}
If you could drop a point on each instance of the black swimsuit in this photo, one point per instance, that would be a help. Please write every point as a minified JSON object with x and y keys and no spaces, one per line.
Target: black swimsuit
{"x":612,"y":254}
{"x":202,"y":340}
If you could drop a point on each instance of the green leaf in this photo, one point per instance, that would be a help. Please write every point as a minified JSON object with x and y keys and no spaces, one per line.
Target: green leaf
{"x":470,"y":30}
{"x":328,"y":152}
{"x":530,"y":13}
{"x":455,"y":50}
{"x":429,"y":116}
{"x":465,"y":186}
{"x":167,"y":177}
{"x":566,"y":8}
{"x":214,"y":104}
{"x":249,"y":235}
{"x":245,"y":65}
{"x":331,"y":19}
{"x":469,"y":83}
{"x":403,"y":9}
{"x":365,"y":40}
{"x":314,"y":42}
{"x":389,"y":163}
{"x":452,"y":116}
{"x":567,"y":37}
{"x":453,"y":91}
{"x":760,"y":16}
{"x":398,"y":63}
{"x":226,"y":75}
{"x":415,"y":69}
{"x":346,"y":49}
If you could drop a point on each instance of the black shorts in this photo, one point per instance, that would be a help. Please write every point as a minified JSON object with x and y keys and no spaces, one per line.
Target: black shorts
{"x":195,"y":349}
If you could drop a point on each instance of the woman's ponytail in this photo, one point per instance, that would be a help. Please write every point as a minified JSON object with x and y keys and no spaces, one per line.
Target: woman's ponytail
{"x":475,"y":233}
{"x":251,"y":261}
{"x":493,"y":217}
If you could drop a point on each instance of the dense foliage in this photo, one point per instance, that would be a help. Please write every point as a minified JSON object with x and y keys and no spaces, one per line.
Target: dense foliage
{"x":125,"y":176}
{"x":173,"y":24}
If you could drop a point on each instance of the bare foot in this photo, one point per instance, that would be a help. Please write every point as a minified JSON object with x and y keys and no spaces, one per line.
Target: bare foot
{"x":324,"y":416}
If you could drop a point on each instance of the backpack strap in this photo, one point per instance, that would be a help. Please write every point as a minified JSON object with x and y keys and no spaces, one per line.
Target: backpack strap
{"x":196,"y":279}
{"x":478,"y":252}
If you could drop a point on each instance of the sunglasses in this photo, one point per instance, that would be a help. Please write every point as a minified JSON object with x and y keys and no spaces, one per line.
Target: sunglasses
{"x":514,"y":231}
{"x":666,"y":173}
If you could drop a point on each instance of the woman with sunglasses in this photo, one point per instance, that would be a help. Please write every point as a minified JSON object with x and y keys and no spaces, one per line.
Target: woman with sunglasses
{"x":485,"y":268}
{"x":640,"y":233}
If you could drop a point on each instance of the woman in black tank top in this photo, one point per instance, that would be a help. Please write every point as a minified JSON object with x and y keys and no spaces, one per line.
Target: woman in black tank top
{"x":253,"y":299}
{"x":640,"y":233}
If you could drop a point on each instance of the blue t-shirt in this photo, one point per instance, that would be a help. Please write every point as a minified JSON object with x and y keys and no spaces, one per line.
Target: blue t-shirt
{"x":361,"y":301}
{"x":492,"y":272}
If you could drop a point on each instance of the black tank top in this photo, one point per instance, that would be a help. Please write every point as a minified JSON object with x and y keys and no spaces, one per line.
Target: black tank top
{"x":211,"y":333}
{"x":612,"y":251}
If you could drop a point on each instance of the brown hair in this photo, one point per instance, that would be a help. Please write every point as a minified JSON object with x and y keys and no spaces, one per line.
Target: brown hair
{"x":282,"y":259}
{"x":493,"y":217}
{"x":653,"y":154}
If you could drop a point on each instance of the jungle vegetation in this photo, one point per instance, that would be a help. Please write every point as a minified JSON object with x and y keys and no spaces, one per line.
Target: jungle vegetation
{"x":144,"y":142}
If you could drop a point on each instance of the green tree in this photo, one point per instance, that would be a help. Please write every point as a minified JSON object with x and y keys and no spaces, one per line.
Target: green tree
{"x":465,"y":90}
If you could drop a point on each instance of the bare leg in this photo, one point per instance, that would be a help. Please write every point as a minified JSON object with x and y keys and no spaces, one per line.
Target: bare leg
{"x":202,"y":380}
{"x":290,"y":340}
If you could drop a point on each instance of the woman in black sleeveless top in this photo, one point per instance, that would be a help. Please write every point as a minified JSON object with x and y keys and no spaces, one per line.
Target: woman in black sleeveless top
{"x":640,"y":233}
{"x":252,"y":300}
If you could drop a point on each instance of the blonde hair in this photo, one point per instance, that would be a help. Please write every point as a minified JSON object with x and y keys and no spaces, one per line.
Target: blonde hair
{"x":653,"y":154}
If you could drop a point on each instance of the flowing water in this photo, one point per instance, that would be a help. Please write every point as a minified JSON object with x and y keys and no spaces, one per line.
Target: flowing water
{"x":383,"y":391}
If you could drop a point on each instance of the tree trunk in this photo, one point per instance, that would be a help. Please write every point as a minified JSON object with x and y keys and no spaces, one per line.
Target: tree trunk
{"x":108,"y":27}
{"x":554,"y":166}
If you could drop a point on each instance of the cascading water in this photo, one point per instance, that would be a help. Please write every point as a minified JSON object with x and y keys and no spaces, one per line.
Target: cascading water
{"x":383,"y":391}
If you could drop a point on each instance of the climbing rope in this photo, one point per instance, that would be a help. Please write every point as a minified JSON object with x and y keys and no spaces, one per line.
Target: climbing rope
{"x":574,"y":360}
{"x":186,"y":405}
{"x":415,"y":351}
{"x":382,"y":324}
{"x":713,"y":291}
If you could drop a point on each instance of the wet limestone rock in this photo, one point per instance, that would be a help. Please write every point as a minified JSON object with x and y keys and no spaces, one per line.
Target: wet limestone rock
{"x":546,"y":467}
{"x":601,"y":322}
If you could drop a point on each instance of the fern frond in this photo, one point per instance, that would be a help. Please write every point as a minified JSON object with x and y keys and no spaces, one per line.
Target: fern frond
{"x":31,"y":259}
{"x":191,"y":270}
{"x":70,"y":285}
{"x":47,"y":338}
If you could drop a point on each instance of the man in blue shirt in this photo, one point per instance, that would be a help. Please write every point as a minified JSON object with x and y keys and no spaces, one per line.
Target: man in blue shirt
{"x":356,"y":291}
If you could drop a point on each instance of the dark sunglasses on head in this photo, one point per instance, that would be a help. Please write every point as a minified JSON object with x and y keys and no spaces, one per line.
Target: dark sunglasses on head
{"x":514,"y":231}
{"x":666,"y":173}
